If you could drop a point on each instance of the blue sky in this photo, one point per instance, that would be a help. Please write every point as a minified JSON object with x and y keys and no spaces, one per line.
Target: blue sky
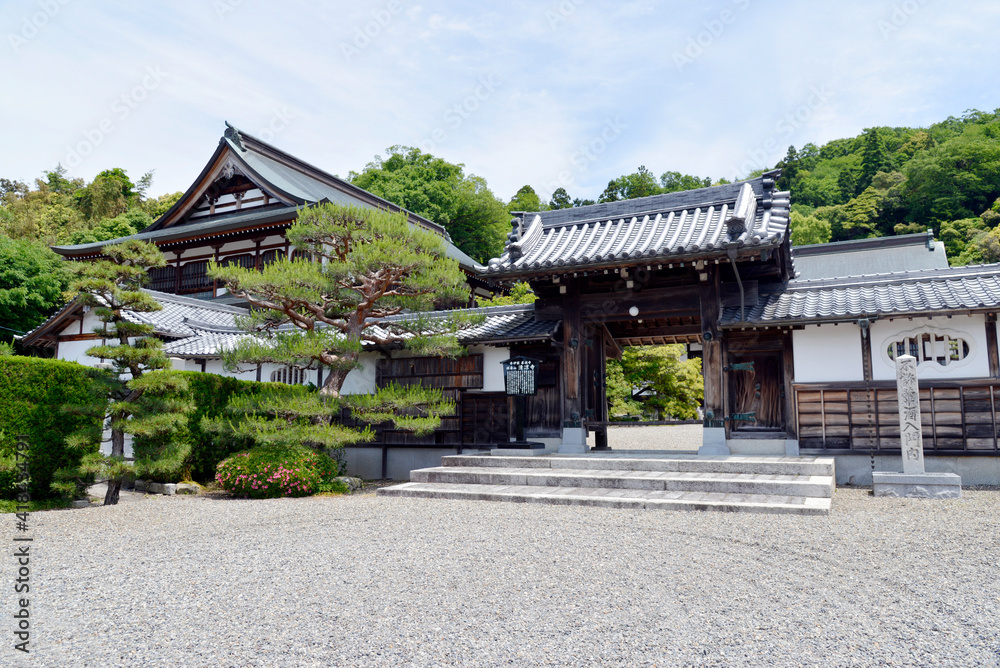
{"x":567,"y":93}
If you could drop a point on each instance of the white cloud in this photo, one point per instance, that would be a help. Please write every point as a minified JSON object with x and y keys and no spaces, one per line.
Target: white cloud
{"x":359,"y":77}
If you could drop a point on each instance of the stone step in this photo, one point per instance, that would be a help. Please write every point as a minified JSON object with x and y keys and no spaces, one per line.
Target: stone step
{"x":669,"y":481}
{"x":810,"y":466}
{"x":614,"y":498}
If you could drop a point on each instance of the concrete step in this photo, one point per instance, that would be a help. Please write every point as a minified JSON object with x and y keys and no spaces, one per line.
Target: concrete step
{"x":670,"y":481}
{"x":761,"y":465}
{"x":614,"y":498}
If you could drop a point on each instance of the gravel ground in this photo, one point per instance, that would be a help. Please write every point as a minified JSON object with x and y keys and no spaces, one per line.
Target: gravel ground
{"x":367,"y":581}
{"x":683,"y":437}
{"x":360,"y":580}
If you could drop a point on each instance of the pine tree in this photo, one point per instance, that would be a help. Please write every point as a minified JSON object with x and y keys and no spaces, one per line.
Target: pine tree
{"x":135,"y":387}
{"x":364,"y":265}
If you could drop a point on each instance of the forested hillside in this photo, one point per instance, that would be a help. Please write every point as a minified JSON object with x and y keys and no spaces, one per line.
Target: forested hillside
{"x":885,"y":181}
{"x":900,"y":180}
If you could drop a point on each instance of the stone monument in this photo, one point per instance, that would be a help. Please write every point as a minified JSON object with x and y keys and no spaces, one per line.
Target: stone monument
{"x":914,"y":481}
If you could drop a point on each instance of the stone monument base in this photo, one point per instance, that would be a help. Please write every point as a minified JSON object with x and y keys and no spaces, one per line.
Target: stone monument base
{"x":918,"y":485}
{"x":713,"y":442}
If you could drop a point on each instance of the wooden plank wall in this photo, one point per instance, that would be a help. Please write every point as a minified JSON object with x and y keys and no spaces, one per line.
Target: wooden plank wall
{"x":958,"y":417}
{"x":450,"y":375}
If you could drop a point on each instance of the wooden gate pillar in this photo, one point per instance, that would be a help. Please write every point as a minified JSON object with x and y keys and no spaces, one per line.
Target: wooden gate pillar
{"x":574,"y":435}
{"x":714,"y":433}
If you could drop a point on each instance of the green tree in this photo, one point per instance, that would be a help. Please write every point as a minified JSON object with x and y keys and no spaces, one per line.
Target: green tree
{"x":366,"y":265}
{"x":439,"y":191}
{"x":861,"y":214}
{"x":32,"y":282}
{"x":809,"y":229}
{"x":158,"y":206}
{"x":874,"y":159}
{"x":139,"y":393}
{"x":675,"y":181}
{"x":110,"y":193}
{"x":656,"y":380}
{"x":984,"y":248}
{"x":641,"y":183}
{"x":955,"y":179}
{"x":560,"y":199}
{"x":123,"y":225}
{"x":790,"y":169}
{"x":526,"y":199}
{"x":960,"y":237}
{"x":520,"y":293}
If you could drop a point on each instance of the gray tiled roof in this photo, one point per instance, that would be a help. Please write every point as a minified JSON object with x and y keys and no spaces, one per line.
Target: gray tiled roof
{"x":901,"y":293}
{"x":510,"y":324}
{"x":299,"y":181}
{"x":203,"y":343}
{"x":502,"y":324}
{"x":659,"y":228}
{"x":869,"y":256}
{"x":173,"y":320}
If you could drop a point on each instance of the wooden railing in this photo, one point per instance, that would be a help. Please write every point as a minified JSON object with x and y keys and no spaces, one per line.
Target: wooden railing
{"x":958,"y":417}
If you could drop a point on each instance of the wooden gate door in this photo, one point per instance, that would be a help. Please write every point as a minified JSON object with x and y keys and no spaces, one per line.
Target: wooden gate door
{"x":756,"y":389}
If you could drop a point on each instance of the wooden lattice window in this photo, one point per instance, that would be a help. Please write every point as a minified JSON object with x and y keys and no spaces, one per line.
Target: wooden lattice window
{"x":943,"y":349}
{"x":162,"y":279}
{"x":194,"y":276}
{"x":270,"y":256}
{"x":245,"y":260}
{"x":289,"y":375}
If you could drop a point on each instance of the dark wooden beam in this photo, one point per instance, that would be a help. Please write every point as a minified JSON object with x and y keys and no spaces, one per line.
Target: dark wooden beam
{"x":866,"y":353}
{"x":610,"y":343}
{"x":177,"y":271}
{"x":573,"y":338}
{"x":654,"y":331}
{"x":610,"y":306}
{"x":991,"y":345}
{"x":712,"y":361}
{"x":788,"y":383}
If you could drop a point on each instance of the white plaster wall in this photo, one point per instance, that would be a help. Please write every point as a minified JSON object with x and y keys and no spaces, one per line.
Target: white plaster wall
{"x":492,"y":367}
{"x":181,"y":364}
{"x":827,"y":353}
{"x":75,"y":351}
{"x":230,"y":247}
{"x":971,"y":328}
{"x":362,"y":381}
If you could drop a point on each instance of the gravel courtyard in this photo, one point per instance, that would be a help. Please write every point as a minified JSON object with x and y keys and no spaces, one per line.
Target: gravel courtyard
{"x":361,"y":580}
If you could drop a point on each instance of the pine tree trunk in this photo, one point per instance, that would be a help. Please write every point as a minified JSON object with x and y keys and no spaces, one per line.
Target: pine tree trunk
{"x":117,"y":450}
{"x":334,"y":383}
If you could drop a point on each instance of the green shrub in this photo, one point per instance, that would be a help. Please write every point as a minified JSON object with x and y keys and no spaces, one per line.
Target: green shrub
{"x":273,"y":471}
{"x":38,"y":399}
{"x":211,"y":394}
{"x":8,"y":478}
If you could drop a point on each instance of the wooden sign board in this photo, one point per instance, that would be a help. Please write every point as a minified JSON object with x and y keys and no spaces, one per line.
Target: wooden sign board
{"x":520,"y":376}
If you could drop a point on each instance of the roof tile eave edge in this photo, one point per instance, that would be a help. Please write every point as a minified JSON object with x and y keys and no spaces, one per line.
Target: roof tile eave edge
{"x":718,"y":252}
{"x":854,"y":317}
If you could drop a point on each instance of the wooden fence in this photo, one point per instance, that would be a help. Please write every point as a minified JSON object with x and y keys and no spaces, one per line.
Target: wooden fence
{"x":958,"y":417}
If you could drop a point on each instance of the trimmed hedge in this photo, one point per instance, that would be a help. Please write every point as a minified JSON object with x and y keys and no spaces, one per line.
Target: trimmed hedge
{"x":211,"y":394}
{"x":33,"y":394}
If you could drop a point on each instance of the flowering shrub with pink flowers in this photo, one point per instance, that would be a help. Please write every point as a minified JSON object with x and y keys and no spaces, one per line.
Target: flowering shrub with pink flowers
{"x":269,"y":472}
